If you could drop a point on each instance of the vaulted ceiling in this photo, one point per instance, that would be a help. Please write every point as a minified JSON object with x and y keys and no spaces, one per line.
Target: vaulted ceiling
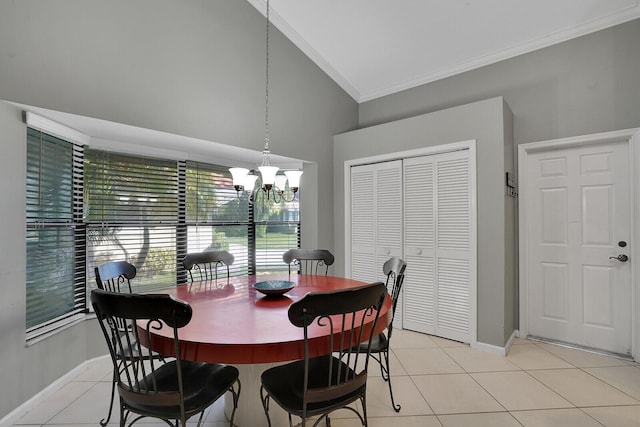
{"x":373,"y":48}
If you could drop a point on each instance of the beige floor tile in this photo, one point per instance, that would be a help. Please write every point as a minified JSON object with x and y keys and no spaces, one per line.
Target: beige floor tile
{"x":427,"y":361}
{"x":455,"y":394}
{"x":98,"y":370}
{"x":406,"y":395}
{"x":80,"y":425}
{"x":555,"y":418}
{"x":519,"y":391}
{"x":444,"y":343}
{"x":460,"y":399}
{"x":215,"y":413}
{"x":582,"y":389}
{"x":403,"y":338}
{"x":472,"y":360}
{"x":520,"y":341}
{"x":396,"y":367}
{"x":55,"y":403}
{"x":491,"y":419}
{"x":624,"y":378}
{"x":91,"y":407}
{"x":583,"y":359}
{"x":616,"y":416}
{"x":396,"y":421}
{"x":533,"y":357}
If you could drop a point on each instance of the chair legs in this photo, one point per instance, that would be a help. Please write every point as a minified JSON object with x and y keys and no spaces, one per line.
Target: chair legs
{"x":385,"y":372}
{"x":264,"y":398}
{"x":236,"y":396}
{"x":105,"y":421}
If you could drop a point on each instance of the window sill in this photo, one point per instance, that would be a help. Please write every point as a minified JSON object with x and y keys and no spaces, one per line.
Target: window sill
{"x":51,"y":330}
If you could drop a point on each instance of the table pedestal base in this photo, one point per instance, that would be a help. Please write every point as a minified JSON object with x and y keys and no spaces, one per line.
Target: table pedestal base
{"x":250,"y":412}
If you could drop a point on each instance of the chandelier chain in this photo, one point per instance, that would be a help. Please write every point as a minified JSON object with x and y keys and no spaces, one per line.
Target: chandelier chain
{"x":266,"y":108}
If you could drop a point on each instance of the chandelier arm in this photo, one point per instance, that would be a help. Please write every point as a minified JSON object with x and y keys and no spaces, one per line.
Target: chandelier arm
{"x":293,"y":197}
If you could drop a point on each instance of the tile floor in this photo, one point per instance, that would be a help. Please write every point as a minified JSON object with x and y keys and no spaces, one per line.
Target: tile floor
{"x":438,"y":383}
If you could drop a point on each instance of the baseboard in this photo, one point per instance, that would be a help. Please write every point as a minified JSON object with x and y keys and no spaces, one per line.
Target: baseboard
{"x":13,"y":416}
{"x":490,"y":348}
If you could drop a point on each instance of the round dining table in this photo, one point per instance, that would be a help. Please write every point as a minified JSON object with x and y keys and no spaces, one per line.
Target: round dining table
{"x":232,"y":323}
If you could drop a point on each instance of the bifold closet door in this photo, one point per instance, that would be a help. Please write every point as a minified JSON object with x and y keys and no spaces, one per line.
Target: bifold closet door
{"x":437,"y":235}
{"x":376,"y":218}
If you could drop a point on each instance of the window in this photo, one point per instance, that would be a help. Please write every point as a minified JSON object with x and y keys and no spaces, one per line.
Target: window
{"x":152,"y":212}
{"x":86,"y":207}
{"x":55,"y":243}
{"x":277,"y":229}
{"x":131,"y":213}
{"x":216,"y":219}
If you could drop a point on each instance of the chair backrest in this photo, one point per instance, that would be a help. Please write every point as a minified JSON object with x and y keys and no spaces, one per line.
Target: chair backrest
{"x":394,"y":268}
{"x":137,"y":378}
{"x":310,"y":261}
{"x":115,"y":276}
{"x":206,"y":264}
{"x":344,"y":312}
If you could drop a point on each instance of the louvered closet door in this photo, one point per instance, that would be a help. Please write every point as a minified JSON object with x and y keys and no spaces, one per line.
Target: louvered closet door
{"x":437,"y":211}
{"x":419,"y":250}
{"x":363,"y":223}
{"x":376,"y":218}
{"x":388,"y":213}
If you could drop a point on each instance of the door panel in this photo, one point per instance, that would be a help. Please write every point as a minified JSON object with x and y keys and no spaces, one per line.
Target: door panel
{"x":419,"y":247}
{"x":363,"y":219}
{"x":376,"y":218}
{"x":579,"y":209}
{"x":437,"y":210}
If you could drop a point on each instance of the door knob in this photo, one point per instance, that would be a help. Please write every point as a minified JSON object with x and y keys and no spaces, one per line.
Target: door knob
{"x":621,"y":258}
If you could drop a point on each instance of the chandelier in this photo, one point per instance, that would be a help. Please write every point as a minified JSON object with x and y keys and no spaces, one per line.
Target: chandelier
{"x":272,"y":183}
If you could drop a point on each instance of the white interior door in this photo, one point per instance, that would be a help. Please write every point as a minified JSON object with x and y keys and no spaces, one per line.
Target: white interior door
{"x":578,"y":224}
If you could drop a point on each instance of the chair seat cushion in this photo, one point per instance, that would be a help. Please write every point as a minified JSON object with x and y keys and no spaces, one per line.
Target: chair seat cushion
{"x":203,"y":384}
{"x":378,"y":343}
{"x":284,"y":384}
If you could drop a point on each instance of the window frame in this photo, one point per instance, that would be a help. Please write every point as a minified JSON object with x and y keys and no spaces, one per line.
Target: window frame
{"x":76,"y":141}
{"x":82,"y":282}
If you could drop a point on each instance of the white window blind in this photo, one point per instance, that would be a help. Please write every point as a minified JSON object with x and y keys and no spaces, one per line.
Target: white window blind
{"x":55,"y":236}
{"x":277,"y":229}
{"x":216,"y":218}
{"x":131,"y":212}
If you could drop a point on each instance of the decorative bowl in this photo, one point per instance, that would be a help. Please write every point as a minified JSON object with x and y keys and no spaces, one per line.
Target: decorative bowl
{"x":274,"y":287}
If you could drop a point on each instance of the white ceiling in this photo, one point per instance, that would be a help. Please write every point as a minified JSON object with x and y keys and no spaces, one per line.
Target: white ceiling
{"x":373,"y":48}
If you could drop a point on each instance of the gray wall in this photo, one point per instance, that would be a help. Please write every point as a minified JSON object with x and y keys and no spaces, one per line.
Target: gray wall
{"x":484,"y":122}
{"x":192,"y":68}
{"x":586,"y":85}
{"x":582,"y":86}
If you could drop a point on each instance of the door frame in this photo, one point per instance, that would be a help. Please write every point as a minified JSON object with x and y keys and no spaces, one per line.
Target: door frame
{"x":426,"y":151}
{"x":632,"y":138}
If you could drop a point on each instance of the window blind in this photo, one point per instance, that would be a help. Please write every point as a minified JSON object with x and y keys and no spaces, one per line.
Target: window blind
{"x":216,"y":218}
{"x":277,"y":229}
{"x":55,"y":237}
{"x":131,"y":214}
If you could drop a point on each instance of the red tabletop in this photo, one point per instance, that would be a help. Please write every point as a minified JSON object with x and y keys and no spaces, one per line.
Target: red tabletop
{"x":233,"y":323}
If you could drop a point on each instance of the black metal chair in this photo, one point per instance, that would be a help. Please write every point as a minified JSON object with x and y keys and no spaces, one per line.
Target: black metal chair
{"x":309,"y":261}
{"x":206,"y":264}
{"x":175,"y":390}
{"x":116,"y":276}
{"x":320,"y":385}
{"x":394,"y":269}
